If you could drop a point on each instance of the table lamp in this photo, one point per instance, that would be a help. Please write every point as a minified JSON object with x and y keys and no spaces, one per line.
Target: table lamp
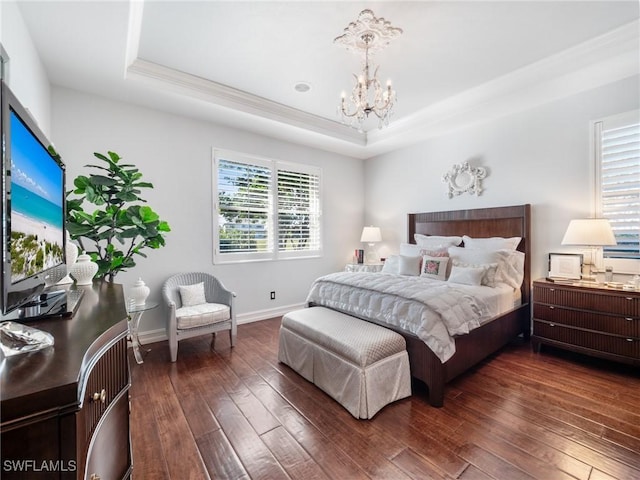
{"x":371,"y":236}
{"x":593,"y":233}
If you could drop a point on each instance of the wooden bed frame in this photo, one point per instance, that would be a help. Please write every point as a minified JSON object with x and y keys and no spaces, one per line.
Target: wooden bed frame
{"x":512,"y":221}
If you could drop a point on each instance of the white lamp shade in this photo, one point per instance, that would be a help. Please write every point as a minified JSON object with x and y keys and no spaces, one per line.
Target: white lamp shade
{"x":589,"y":232}
{"x":371,"y":235}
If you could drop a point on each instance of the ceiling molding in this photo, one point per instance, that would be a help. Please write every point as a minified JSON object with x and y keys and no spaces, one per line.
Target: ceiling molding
{"x":596,"y":62}
{"x":225,"y":96}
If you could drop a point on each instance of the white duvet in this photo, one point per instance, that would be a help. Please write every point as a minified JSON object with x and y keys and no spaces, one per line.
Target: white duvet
{"x":433,"y":310}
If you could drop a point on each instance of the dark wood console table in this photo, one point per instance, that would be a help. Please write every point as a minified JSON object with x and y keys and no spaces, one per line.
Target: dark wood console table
{"x":65,"y":410}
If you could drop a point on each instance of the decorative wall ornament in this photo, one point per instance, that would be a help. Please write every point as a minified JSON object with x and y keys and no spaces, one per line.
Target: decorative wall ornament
{"x":464,"y":178}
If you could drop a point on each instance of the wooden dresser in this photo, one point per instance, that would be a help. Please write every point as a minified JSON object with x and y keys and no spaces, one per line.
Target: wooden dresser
{"x":65,"y":410}
{"x":593,"y":320}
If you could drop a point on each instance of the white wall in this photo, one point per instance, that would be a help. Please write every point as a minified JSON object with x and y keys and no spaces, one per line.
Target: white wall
{"x":541,"y":156}
{"x":26,"y":74}
{"x":175,"y":154}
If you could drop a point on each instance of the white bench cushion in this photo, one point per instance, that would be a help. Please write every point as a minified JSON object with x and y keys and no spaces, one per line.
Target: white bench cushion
{"x":203,"y":314}
{"x":361,"y":365}
{"x":361,"y":342}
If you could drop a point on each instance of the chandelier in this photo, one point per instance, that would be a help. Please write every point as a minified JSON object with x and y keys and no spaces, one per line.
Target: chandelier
{"x":367,"y":36}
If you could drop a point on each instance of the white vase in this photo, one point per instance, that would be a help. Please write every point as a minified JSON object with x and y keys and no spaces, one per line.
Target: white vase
{"x":84,"y":270}
{"x":139,"y":292}
{"x":71,"y":251}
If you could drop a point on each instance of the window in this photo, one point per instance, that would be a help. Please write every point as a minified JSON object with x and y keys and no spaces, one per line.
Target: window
{"x":265,"y":209}
{"x":617,"y":153}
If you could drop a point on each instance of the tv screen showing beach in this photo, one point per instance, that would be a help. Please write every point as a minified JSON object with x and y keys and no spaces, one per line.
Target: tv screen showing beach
{"x":37,"y":212}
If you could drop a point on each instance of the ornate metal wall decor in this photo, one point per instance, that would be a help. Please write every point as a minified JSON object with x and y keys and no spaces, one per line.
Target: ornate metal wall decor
{"x":463,"y":178}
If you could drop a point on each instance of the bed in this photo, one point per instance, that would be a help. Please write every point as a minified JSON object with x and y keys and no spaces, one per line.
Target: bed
{"x":493,"y":333}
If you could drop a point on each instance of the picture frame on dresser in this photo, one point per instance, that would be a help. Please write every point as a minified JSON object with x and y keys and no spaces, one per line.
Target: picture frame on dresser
{"x":566,"y":265}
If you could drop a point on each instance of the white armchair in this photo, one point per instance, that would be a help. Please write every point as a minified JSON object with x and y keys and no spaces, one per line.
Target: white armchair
{"x":198,"y":304}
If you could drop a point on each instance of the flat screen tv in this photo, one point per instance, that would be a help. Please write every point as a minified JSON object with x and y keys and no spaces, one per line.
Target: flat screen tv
{"x":33,"y":210}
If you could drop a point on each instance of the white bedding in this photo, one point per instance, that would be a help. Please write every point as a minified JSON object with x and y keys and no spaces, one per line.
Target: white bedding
{"x":433,"y":310}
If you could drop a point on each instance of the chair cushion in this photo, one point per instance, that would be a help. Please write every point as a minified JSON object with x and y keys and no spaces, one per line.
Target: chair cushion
{"x":203,"y":314}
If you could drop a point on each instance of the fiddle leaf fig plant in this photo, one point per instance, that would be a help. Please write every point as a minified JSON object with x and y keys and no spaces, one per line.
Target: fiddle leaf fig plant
{"x":119,"y":226}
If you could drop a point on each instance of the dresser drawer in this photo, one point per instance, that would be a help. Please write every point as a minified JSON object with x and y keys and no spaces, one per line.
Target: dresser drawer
{"x":618,"y":345}
{"x":108,"y":377}
{"x":606,"y":301}
{"x":109,"y":455}
{"x":617,"y":325}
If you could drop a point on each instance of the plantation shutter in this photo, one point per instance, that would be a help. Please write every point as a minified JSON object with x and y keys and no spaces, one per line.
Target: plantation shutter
{"x":298,"y":210}
{"x":619,"y":182}
{"x":244,"y":207}
{"x":265,"y":209}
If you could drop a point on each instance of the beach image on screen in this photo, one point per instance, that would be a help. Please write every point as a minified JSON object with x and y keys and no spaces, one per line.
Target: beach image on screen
{"x":37,"y":220}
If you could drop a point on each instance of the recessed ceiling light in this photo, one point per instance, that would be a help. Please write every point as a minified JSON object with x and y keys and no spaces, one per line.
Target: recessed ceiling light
{"x":302,"y":87}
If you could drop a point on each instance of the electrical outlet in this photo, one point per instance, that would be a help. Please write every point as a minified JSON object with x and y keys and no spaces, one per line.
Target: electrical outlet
{"x":273,"y":295}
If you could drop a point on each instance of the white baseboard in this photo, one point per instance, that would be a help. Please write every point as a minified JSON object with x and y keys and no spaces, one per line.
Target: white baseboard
{"x":160,"y":334}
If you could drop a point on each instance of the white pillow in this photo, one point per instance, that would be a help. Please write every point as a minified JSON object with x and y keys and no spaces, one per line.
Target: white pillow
{"x":510,"y":268}
{"x":490,"y":269}
{"x":467,"y":256}
{"x":192,"y":294}
{"x":391,"y":264}
{"x":466,"y":275}
{"x":511,"y":272}
{"x":409,"y":265}
{"x":436,"y":241}
{"x":434,"y":267}
{"x":491,"y":243}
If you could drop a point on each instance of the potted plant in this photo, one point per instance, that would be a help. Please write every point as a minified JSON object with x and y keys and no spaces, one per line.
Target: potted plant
{"x":119,"y":226}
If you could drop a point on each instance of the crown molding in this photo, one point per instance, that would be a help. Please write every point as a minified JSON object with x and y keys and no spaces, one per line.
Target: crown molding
{"x":182,"y":83}
{"x":594,"y":63}
{"x":604,"y":59}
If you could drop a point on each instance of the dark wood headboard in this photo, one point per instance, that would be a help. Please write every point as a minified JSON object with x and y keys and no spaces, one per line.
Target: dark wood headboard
{"x":512,"y":221}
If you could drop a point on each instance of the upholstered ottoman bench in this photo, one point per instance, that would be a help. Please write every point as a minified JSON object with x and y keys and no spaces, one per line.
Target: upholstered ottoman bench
{"x":361,"y":365}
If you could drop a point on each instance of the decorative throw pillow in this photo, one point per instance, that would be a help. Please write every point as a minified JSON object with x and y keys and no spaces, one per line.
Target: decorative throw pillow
{"x":192,"y":294}
{"x":434,"y":267}
{"x":490,"y":269}
{"x":409,"y":265}
{"x":466,"y":275}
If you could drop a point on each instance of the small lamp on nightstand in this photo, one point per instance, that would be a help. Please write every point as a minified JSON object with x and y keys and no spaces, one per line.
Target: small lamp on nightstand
{"x":593,"y":233}
{"x":371,"y":235}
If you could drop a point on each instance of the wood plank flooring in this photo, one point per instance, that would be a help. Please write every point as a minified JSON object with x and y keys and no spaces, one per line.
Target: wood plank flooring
{"x":239,"y":414}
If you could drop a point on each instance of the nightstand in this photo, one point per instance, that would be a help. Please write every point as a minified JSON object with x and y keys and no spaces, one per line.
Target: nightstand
{"x":363,"y":267}
{"x":589,"y":319}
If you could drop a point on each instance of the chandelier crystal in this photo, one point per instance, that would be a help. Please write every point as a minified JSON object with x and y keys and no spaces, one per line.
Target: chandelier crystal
{"x":367,"y":36}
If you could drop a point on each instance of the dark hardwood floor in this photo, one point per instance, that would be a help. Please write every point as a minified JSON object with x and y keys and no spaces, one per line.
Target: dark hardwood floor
{"x":238,"y":414}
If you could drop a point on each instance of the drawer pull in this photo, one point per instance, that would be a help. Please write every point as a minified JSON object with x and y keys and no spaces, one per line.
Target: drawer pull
{"x":629,"y":339}
{"x":552,"y":289}
{"x":94,"y":476}
{"x":102,"y":397}
{"x":551,"y":307}
{"x":552,"y":324}
{"x":629,"y":319}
